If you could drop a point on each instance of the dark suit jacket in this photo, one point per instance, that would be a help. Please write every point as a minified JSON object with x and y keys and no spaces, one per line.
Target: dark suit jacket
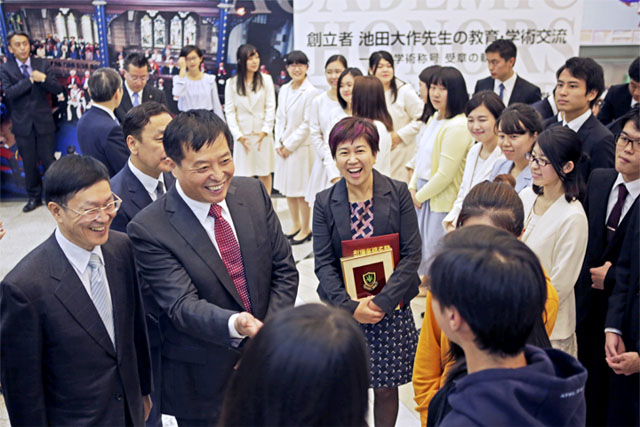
{"x":27,"y":101}
{"x":523,"y":91}
{"x":58,"y":364}
{"x":99,"y":136}
{"x":149,"y":93}
{"x":178,"y":261}
{"x":393,"y":212}
{"x":544,"y":108}
{"x":616,"y":103}
{"x":597,"y":144}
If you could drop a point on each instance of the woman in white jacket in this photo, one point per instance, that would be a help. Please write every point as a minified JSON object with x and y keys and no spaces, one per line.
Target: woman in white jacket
{"x":250,"y":107}
{"x":556,"y":227}
{"x":293,"y":146}
{"x":324,"y":110}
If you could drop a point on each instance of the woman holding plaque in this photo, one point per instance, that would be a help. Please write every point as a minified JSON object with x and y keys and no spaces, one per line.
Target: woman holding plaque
{"x":250,"y":107}
{"x":365,"y":203}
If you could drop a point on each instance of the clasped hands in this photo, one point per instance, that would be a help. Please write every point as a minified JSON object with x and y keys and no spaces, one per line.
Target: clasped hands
{"x":38,"y":76}
{"x":367,"y":311}
{"x":618,"y":359}
{"x":244,"y":140}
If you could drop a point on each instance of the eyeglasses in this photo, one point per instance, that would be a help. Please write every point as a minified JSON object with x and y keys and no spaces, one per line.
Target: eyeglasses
{"x":138,"y":78}
{"x":539,"y":161}
{"x":94,"y":213}
{"x":624,"y":141}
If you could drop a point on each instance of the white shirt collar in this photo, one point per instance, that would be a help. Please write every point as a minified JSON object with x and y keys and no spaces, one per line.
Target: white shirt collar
{"x":103,"y":108}
{"x":633,"y":187}
{"x":77,"y":256}
{"x":199,"y":209}
{"x":577,"y":123}
{"x":148,"y":182}
{"x":131,"y":92}
{"x":508,"y":84}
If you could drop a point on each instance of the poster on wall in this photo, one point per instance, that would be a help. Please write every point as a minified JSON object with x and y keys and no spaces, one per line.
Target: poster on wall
{"x":420,"y":33}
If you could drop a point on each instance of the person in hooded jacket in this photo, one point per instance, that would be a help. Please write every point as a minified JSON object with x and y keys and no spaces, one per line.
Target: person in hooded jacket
{"x":488,"y":292}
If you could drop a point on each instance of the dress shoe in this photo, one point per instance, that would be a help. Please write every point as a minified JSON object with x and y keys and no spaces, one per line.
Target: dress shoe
{"x":31,"y":205}
{"x":299,"y":242}
{"x":292,"y":235}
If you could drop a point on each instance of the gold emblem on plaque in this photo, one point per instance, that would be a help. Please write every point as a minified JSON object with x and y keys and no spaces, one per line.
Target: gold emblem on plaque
{"x":369,"y":281}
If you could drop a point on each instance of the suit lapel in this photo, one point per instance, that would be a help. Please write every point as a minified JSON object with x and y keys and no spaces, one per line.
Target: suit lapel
{"x":187,"y":225}
{"x":621,"y":231}
{"x":515,"y":93}
{"x":147,"y":94}
{"x":14,"y":69}
{"x":340,"y":210}
{"x":72,"y":294}
{"x":125,"y":104}
{"x":138,"y":194}
{"x":381,"y":204}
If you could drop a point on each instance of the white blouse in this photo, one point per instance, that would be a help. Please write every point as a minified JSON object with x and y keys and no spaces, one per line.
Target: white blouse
{"x":194,"y":94}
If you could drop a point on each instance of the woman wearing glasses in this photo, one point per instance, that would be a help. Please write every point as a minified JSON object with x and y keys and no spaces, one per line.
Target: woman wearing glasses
{"x":555,"y":225}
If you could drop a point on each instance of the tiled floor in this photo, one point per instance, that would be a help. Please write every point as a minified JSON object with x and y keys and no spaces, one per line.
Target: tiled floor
{"x":26,"y":231}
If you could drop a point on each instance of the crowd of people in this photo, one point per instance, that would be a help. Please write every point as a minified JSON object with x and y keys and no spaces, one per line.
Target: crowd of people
{"x":168,"y":286}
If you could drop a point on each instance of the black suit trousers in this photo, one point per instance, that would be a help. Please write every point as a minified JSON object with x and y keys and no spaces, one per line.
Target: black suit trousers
{"x":34,"y":148}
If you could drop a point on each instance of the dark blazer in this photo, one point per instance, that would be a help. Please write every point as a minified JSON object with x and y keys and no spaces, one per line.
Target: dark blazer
{"x":544,"y":108}
{"x":616,"y":103}
{"x":149,"y":93}
{"x":133,"y":194}
{"x":178,"y":261}
{"x":393,"y":212}
{"x":101,"y":137}
{"x":597,"y":144}
{"x":58,"y":364}
{"x":523,"y":91}
{"x":28,"y":103}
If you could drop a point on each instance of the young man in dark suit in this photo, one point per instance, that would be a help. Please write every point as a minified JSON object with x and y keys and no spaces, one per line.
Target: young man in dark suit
{"x":612,"y":195}
{"x":511,"y":88}
{"x":26,"y":80}
{"x":73,"y":347}
{"x":137,"y":90}
{"x":213,"y":252}
{"x":621,"y":98}
{"x":580,"y":81}
{"x":99,"y":131}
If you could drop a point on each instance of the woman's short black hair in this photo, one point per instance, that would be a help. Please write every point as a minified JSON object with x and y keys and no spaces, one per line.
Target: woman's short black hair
{"x":494,"y":281}
{"x":352,"y":128}
{"x":561,"y":145}
{"x":374,"y":61}
{"x":333,"y":58}
{"x":457,"y":95}
{"x":353,"y":72}
{"x":191,"y":48}
{"x":308,"y":366}
{"x":192,"y":130}
{"x":296,"y":57}
{"x":426,"y":77}
{"x":71,"y":174}
{"x":518,"y":119}
{"x":489,"y":99}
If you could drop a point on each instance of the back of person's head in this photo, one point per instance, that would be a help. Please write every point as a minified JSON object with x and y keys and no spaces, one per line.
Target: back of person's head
{"x":368,"y":100}
{"x":457,"y":95}
{"x":588,"y":70}
{"x":308,"y":366}
{"x":498,"y":202}
{"x":186,"y":50}
{"x":426,"y":77}
{"x":138,"y":117}
{"x":634,"y":70}
{"x":103,"y":84}
{"x":505,"y":48}
{"x":351,"y":71}
{"x":518,"y":119}
{"x":296,"y":57}
{"x":489,"y":99}
{"x":137,"y":59}
{"x":191,"y":130}
{"x":71,"y":174}
{"x":352,"y":128}
{"x":561,"y":145}
{"x":494,"y":281}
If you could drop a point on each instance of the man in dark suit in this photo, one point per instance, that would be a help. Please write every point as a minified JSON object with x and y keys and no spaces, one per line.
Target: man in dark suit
{"x":26,"y":81}
{"x":143,"y":179}
{"x":73,"y":347}
{"x":580,"y":81}
{"x":170,"y":69}
{"x":213,"y":252}
{"x":501,"y":57}
{"x":608,"y":207}
{"x":99,"y":131}
{"x":137,"y":90}
{"x":620,"y":98}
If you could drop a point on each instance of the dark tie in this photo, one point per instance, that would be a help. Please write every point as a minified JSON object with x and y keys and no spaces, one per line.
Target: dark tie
{"x":501,"y":87}
{"x":136,"y":101}
{"x":25,"y":70}
{"x":160,"y":189}
{"x":616,"y":213}
{"x":230,"y":254}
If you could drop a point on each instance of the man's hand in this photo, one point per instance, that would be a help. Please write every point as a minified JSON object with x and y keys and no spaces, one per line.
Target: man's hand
{"x":146,"y":401}
{"x":625,"y":363}
{"x":247,"y":325}
{"x":38,"y":76}
{"x":368,"y":312}
{"x":613,"y":344}
{"x":598,"y":274}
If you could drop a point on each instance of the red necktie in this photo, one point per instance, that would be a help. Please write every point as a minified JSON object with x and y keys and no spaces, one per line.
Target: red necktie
{"x":230,"y":254}
{"x":616,"y":212}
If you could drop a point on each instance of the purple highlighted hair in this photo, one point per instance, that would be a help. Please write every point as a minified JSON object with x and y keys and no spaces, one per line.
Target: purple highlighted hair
{"x":351,"y":128}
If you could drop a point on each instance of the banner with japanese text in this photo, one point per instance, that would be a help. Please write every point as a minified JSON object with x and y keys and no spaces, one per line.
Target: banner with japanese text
{"x":419,"y":33}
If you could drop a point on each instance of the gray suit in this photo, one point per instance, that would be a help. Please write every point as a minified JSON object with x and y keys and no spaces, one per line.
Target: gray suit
{"x":192,"y":286}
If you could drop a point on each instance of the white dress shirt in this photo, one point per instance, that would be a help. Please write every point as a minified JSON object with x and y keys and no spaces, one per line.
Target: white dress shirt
{"x":509,"y":84}
{"x":633,"y":188}
{"x":577,"y":123}
{"x":131,"y":92}
{"x":148,"y":182}
{"x":28,"y":64}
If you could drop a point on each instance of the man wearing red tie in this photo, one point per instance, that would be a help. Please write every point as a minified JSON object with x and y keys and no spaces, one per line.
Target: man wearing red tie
{"x":215,"y":257}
